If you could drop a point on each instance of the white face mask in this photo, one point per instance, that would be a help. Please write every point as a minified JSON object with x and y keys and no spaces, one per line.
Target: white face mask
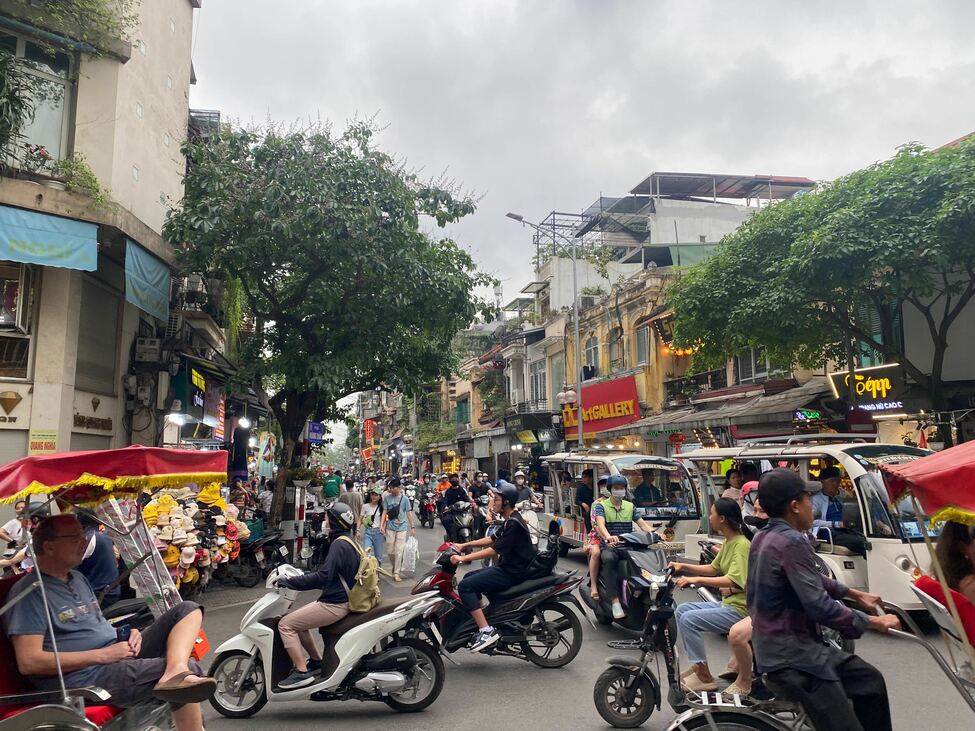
{"x":619,"y":493}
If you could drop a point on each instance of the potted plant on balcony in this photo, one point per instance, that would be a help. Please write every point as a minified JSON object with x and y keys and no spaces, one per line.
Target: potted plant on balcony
{"x":37,"y":165}
{"x":78,"y":177}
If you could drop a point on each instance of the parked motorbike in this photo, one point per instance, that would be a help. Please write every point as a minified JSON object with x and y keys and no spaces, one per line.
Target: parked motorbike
{"x":636,"y":555}
{"x":482,"y":516}
{"x":533,"y":617}
{"x":407,"y":674}
{"x":463,"y":522}
{"x":428,"y":508}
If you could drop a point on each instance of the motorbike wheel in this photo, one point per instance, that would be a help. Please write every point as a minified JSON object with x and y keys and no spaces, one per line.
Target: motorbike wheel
{"x":226,"y":670}
{"x":607,"y":694}
{"x":560,"y":627}
{"x":427,"y":681}
{"x":248,"y":571}
{"x":727,"y":721}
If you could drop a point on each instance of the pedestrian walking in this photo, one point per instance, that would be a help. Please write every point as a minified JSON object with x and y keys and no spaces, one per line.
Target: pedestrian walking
{"x":398,"y":519}
{"x":354,"y":500}
{"x":371,"y":514}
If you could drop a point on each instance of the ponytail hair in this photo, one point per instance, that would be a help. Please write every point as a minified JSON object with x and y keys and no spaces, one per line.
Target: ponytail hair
{"x":729,"y":510}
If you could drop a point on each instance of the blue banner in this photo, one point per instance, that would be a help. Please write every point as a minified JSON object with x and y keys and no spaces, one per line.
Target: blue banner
{"x":146,"y":281}
{"x":37,"y":238}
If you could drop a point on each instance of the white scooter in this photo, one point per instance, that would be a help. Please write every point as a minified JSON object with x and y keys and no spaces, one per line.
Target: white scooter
{"x":406,"y":674}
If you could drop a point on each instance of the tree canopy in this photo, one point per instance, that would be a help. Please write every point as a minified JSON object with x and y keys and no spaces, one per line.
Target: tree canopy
{"x":325,"y":234}
{"x":843,"y":263}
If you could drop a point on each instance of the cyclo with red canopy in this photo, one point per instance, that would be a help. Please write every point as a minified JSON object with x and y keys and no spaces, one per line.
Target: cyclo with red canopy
{"x":107,"y":484}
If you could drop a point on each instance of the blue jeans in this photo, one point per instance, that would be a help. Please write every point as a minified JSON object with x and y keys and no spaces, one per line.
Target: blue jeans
{"x":696,"y":618}
{"x":374,"y":539}
{"x":491,"y":580}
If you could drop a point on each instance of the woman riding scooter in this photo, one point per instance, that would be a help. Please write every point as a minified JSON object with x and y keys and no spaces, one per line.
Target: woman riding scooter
{"x":333,"y":578}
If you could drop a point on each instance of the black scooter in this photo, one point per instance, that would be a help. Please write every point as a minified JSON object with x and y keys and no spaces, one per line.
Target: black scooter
{"x":636,"y":557}
{"x":532,"y":617}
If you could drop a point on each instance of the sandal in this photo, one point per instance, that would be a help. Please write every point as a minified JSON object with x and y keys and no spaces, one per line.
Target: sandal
{"x":179,"y":690}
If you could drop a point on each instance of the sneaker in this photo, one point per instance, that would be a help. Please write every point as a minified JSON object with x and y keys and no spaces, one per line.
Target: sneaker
{"x":618,"y":612}
{"x":484,"y":639}
{"x":315,"y":666}
{"x":297,"y":679}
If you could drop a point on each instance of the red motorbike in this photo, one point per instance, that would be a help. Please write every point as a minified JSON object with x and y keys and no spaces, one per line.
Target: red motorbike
{"x":428,"y":508}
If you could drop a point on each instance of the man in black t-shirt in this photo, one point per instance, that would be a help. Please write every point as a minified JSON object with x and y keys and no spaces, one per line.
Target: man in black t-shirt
{"x":453,"y":494}
{"x":584,"y":497}
{"x":513,"y":545}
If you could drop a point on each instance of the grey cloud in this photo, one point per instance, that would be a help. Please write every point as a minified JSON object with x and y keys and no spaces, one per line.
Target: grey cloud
{"x":541,"y":104}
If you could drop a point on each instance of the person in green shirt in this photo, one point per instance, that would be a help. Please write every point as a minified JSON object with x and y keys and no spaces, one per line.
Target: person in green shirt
{"x":728,"y":571}
{"x":332,"y":483}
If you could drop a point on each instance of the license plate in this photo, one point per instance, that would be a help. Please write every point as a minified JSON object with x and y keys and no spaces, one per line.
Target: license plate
{"x":259,"y":555}
{"x":283,"y":550}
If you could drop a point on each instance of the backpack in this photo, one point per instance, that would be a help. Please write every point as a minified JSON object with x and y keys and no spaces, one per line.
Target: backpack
{"x":364,"y":594}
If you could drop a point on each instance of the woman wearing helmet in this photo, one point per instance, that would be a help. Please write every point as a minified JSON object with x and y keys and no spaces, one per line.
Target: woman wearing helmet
{"x":513,"y":545}
{"x":341,"y":565}
{"x":611,"y":519}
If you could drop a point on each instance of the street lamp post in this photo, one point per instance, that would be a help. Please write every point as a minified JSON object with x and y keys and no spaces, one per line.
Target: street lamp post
{"x":575,"y":315}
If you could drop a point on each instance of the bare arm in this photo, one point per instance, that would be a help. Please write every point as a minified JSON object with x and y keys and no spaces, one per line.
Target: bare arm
{"x":4,"y":536}
{"x":967,"y":588}
{"x":486,"y":541}
{"x":693,"y":569}
{"x":33,"y":659}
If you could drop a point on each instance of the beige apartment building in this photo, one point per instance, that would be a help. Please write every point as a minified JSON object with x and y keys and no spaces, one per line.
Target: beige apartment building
{"x":86,"y":287}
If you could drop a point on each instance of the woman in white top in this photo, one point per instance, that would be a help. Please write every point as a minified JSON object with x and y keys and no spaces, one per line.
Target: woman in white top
{"x":372,"y":519}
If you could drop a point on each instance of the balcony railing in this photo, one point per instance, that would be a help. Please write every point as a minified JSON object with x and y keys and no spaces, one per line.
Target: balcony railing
{"x":537,"y":406}
{"x":681,"y":390}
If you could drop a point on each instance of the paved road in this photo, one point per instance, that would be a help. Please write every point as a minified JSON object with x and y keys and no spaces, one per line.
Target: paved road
{"x":509,"y":693}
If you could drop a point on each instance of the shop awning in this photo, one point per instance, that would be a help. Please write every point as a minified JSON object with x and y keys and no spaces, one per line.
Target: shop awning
{"x":146,"y":281}
{"x":37,"y":238}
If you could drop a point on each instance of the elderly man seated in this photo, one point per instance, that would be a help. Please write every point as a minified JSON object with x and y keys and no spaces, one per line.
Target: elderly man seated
{"x":131,"y":668}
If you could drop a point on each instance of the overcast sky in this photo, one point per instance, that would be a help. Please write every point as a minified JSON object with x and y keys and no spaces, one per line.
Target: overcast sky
{"x":545,"y":104}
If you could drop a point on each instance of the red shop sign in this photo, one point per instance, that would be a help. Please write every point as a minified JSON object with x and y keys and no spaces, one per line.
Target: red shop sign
{"x":605,"y":406}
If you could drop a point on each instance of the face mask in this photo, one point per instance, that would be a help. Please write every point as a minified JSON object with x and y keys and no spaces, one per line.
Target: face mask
{"x":619,"y":493}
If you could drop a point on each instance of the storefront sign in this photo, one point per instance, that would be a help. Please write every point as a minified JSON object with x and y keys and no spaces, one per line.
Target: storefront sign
{"x":367,"y":454}
{"x":547,"y":435}
{"x":527,"y":437}
{"x":806,"y":415}
{"x":93,"y":422}
{"x":605,"y":406}
{"x":218,"y":430}
{"x":665,"y":328}
{"x":368,"y":428}
{"x":879,"y":389}
{"x":42,"y":441}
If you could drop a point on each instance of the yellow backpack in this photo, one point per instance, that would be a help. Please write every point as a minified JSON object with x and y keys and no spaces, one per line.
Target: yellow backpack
{"x":364,"y":594}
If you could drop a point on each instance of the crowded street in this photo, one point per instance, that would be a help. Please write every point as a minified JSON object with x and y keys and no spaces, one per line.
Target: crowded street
{"x":422,"y":364}
{"x":513,"y":694}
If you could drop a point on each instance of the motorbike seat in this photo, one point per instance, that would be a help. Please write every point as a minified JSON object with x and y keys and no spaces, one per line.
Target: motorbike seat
{"x":528,"y":586}
{"x":354,"y":619}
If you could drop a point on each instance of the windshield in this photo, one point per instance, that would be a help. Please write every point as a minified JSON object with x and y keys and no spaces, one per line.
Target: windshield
{"x":659,"y":488}
{"x":888,"y":520}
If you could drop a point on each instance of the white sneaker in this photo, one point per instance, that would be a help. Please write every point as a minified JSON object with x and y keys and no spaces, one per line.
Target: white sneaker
{"x":618,"y":612}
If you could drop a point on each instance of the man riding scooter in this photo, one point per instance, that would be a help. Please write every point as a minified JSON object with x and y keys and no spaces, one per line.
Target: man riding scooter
{"x":613,"y":518}
{"x":454,"y":494}
{"x":513,"y":545}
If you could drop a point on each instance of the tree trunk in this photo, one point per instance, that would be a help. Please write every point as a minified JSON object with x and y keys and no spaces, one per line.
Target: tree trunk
{"x":291,"y":408}
{"x":936,"y":391}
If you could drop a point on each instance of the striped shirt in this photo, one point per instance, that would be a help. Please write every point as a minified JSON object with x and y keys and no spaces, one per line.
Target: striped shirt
{"x":618,"y":521}
{"x":788,"y":599}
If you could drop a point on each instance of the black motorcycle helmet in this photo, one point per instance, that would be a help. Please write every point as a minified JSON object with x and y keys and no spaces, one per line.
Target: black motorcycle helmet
{"x":508,"y":493}
{"x":341,"y":518}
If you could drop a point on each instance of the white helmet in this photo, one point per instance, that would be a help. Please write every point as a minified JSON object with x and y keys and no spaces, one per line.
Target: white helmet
{"x":520,"y":473}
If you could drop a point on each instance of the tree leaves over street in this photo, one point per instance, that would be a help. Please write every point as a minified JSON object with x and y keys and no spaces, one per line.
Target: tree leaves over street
{"x":805,"y":276}
{"x":325,"y":234}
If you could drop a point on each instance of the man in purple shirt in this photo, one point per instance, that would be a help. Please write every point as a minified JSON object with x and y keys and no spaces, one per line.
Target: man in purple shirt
{"x":788,"y":599}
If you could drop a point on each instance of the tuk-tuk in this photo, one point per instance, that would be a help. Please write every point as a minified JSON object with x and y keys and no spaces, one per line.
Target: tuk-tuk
{"x":107,"y":484}
{"x":664,"y":491}
{"x":883,"y":561}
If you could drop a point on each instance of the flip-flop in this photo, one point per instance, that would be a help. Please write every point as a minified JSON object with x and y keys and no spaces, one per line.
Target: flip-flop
{"x":595,"y":596}
{"x":178,"y":690}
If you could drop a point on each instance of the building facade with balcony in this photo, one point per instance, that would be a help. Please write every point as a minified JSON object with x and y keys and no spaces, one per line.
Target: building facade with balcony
{"x":87,"y":283}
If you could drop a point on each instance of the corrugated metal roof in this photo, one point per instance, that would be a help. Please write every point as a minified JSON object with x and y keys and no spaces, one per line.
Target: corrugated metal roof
{"x":717,"y":185}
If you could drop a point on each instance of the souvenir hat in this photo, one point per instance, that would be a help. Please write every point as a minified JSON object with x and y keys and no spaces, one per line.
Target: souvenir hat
{"x":179,"y":536}
{"x":166,"y":503}
{"x":191,"y":540}
{"x":221,"y":541}
{"x":235,"y":551}
{"x":210,"y":494}
{"x":162,"y":519}
{"x":226,"y":548}
{"x":187,"y":556}
{"x":158,"y":543}
{"x":191,"y":575}
{"x":171,"y":556}
{"x":187,"y":523}
{"x":243,"y":531}
{"x":204,"y":559}
{"x":150,"y":513}
{"x":166,"y":533}
{"x":231,"y":531}
{"x":220,"y":520}
{"x":232,"y":511}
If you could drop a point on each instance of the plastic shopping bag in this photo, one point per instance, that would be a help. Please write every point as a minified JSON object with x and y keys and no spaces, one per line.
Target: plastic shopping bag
{"x":410,"y":555}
